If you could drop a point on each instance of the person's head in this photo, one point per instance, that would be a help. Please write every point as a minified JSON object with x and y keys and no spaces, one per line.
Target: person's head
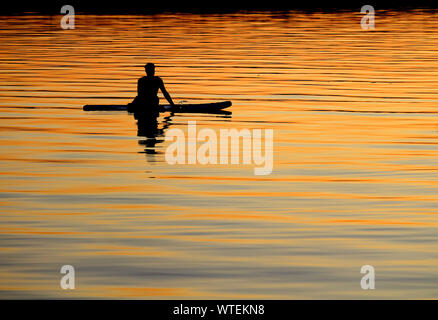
{"x":150,"y":69}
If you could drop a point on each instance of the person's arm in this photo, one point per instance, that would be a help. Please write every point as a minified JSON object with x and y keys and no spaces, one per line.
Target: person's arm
{"x":165,"y":93}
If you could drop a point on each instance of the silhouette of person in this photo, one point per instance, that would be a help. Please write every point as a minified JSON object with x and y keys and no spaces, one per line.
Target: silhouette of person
{"x":145,"y":106}
{"x":146,"y":102}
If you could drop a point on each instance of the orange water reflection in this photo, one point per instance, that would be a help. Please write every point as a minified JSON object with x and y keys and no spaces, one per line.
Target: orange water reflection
{"x":355,"y":175}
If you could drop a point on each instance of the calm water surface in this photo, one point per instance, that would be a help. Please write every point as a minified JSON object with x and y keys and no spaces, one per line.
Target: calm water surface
{"x":355,"y":180}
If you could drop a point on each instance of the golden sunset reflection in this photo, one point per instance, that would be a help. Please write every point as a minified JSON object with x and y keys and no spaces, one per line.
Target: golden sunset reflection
{"x":354,"y":179}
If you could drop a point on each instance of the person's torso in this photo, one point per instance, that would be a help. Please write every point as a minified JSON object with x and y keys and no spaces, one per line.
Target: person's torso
{"x":148,"y":87}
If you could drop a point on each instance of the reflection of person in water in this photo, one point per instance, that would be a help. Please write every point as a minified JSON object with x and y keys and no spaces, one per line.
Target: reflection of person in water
{"x":148,"y":127}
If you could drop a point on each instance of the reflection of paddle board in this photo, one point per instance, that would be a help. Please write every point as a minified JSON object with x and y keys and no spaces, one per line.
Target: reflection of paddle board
{"x":195,"y":107}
